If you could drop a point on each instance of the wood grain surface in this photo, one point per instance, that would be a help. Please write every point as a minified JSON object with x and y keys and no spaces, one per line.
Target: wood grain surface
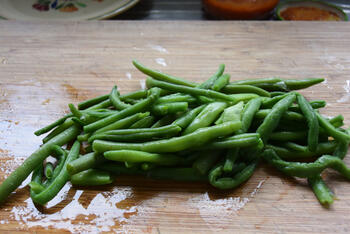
{"x":43,"y":67}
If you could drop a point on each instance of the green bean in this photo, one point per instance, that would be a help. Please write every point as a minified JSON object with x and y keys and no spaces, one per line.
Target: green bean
{"x":85,"y":162}
{"x":35,"y":184}
{"x":104,"y":104}
{"x":188,"y":90}
{"x":91,"y":177}
{"x":206,"y":161}
{"x":169,"y":108}
{"x":134,"y":156}
{"x":52,"y":125}
{"x":248,"y":114}
{"x":74,"y":110}
{"x":272,"y":119}
{"x":209,"y":83}
{"x":177,"y":174}
{"x":321,"y":190}
{"x":288,"y":136}
{"x":139,"y":136}
{"x":59,"y":181}
{"x":48,"y":171}
{"x":312,"y":122}
{"x":122,"y":123}
{"x":188,"y":117}
{"x":231,"y":157}
{"x":307,"y":170}
{"x":245,"y":97}
{"x":142,"y":105}
{"x":302,"y":84}
{"x":256,"y":81}
{"x":331,"y":130}
{"x":165,"y":120}
{"x":99,"y":114}
{"x":176,"y":97}
{"x":197,"y":138}
{"x":206,"y":117}
{"x":270,"y":102}
{"x":232,"y":113}
{"x":341,"y":150}
{"x":232,"y":88}
{"x":59,"y":129}
{"x":139,"y":94}
{"x":288,"y":115}
{"x":84,"y":137}
{"x":315,"y":104}
{"x":115,"y":100}
{"x":93,"y":101}
{"x":276,"y":93}
{"x":161,"y":76}
{"x":230,"y":182}
{"x":221,"y":82}
{"x":337,"y":121}
{"x":242,"y":140}
{"x":322,"y":148}
{"x":21,"y":173}
{"x":146,"y":122}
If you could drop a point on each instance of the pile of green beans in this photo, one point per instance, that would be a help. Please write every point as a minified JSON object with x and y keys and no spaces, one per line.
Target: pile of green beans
{"x":217,"y":131}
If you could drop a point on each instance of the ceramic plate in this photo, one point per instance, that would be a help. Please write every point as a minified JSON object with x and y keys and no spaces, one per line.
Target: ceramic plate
{"x":63,"y":9}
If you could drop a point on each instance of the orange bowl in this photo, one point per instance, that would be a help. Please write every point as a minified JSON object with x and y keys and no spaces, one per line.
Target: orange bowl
{"x":240,"y":9}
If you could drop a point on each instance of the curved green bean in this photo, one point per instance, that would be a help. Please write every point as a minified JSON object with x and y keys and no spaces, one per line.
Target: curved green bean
{"x":197,"y":138}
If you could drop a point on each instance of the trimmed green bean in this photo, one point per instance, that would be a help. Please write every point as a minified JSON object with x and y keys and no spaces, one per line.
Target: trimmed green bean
{"x":231,"y":157}
{"x":312,"y":122}
{"x":48,"y":171}
{"x":209,"y":83}
{"x":169,"y":108}
{"x":176,"y":97}
{"x":321,"y":190}
{"x":141,"y":106}
{"x":52,"y":125}
{"x":221,"y":82}
{"x":59,"y":129}
{"x":188,"y":117}
{"x":161,"y":76}
{"x":272,"y":119}
{"x":230,"y":182}
{"x":331,"y":130}
{"x":146,"y":122}
{"x":248,"y":113}
{"x":85,"y":162}
{"x":242,"y":140}
{"x":122,"y":123}
{"x":159,"y":133}
{"x":188,"y":90}
{"x":115,"y":100}
{"x":307,"y":170}
{"x":134,"y":156}
{"x":91,"y":177}
{"x":197,"y":138}
{"x":93,"y":101}
{"x":232,"y":89}
{"x":206,"y":117}
{"x":322,"y":148}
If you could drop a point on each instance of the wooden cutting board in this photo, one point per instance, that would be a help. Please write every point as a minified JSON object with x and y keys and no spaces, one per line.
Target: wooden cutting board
{"x":45,"y":66}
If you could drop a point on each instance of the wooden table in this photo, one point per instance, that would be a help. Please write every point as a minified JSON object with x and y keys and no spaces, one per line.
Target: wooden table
{"x":43,"y":67}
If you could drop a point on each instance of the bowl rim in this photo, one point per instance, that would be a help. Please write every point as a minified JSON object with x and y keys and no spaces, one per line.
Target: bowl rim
{"x":282,"y":4}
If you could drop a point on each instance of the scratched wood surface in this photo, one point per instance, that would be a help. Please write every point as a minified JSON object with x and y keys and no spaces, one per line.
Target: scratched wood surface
{"x":43,"y":67}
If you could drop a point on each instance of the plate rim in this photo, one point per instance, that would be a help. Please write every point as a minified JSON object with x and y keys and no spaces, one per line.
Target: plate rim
{"x":105,"y":15}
